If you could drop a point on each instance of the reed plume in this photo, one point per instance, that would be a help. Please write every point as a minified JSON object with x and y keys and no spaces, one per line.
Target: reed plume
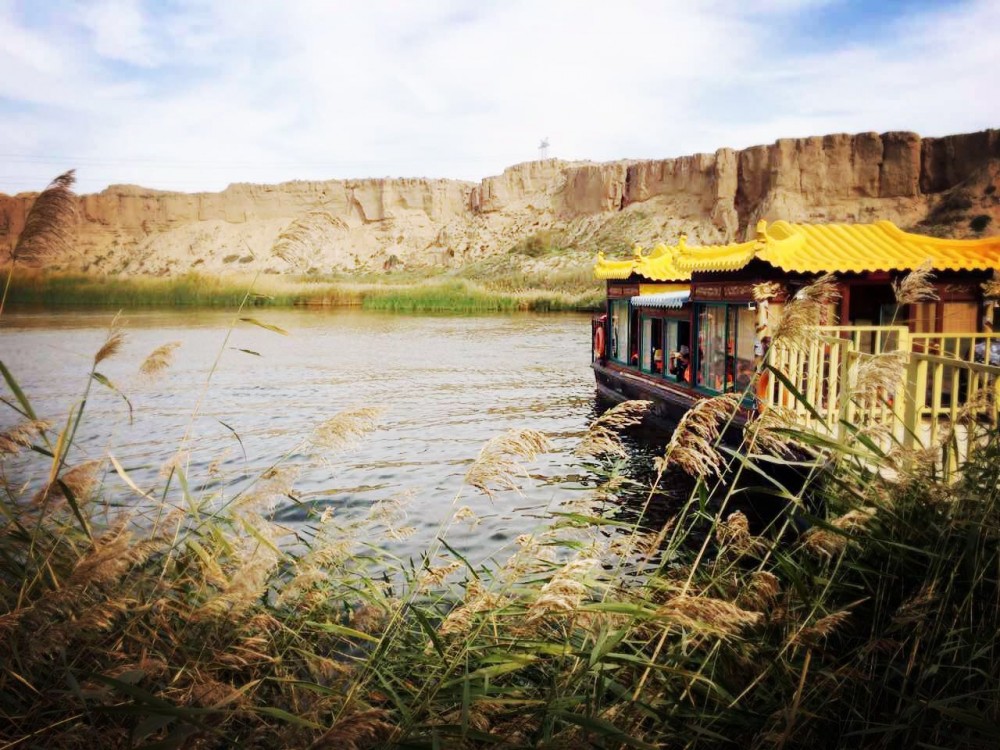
{"x":602,"y":436}
{"x":564,"y":591}
{"x":477,"y":601}
{"x":47,"y":227}
{"x":692,"y":447}
{"x":734,"y":534}
{"x":802,"y":313}
{"x":831,"y":542}
{"x":709,"y":615}
{"x":79,"y":480}
{"x":158,"y":360}
{"x":821,"y":629}
{"x":916,"y":286}
{"x":343,"y":429}
{"x":21,"y":435}
{"x":433,"y":577}
{"x":768,"y":431}
{"x":112,"y":344}
{"x":761,"y":591}
{"x":499,"y":464}
{"x":877,"y":376}
{"x":466,"y":514}
{"x":358,"y":731}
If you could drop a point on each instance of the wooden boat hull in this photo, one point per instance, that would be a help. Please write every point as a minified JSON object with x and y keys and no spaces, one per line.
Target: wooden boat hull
{"x":670,"y":400}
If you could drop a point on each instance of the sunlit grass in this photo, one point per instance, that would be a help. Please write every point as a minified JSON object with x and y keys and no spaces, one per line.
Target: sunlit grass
{"x":399,"y":293}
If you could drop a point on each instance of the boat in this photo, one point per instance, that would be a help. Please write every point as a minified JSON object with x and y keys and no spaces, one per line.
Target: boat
{"x":686,"y":322}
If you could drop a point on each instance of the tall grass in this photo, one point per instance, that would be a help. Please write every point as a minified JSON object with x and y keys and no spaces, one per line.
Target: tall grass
{"x":864,"y":611}
{"x":404,"y":294}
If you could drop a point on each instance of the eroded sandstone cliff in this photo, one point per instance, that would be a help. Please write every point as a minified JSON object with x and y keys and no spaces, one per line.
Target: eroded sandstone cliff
{"x":942,"y":185}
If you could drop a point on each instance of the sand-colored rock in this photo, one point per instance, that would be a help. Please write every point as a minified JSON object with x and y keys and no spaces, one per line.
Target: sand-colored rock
{"x":377,"y":223}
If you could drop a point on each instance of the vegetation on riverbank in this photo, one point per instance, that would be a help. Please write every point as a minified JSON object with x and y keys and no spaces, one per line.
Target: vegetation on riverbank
{"x":863,"y":612}
{"x":410,"y":293}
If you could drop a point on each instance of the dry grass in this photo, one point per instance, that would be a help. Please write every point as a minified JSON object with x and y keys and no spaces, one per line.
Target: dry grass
{"x":158,"y":360}
{"x":22,"y":435}
{"x":802,"y":313}
{"x":602,"y":436}
{"x":694,"y":445}
{"x":344,"y":428}
{"x":48,"y":227}
{"x":500,"y":464}
{"x":916,"y":286}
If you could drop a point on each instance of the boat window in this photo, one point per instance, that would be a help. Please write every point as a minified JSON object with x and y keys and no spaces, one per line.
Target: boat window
{"x":619,"y":330}
{"x":646,"y":357}
{"x":726,"y":335}
{"x":651,"y":353}
{"x":712,"y":346}
{"x":671,"y":348}
{"x":633,"y":338}
{"x":745,"y":331}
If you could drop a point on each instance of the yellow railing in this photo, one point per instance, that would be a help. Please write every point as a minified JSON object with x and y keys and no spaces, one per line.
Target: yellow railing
{"x":969,"y":347}
{"x":943,"y":397}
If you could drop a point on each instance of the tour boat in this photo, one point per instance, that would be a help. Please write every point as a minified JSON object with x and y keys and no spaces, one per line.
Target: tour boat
{"x":686,"y":322}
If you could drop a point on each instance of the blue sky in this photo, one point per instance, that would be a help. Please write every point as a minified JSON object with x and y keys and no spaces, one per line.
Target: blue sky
{"x":194,"y":95}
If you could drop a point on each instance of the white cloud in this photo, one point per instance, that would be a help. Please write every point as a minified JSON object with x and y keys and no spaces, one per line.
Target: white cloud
{"x":119,"y":31}
{"x":194,"y":95}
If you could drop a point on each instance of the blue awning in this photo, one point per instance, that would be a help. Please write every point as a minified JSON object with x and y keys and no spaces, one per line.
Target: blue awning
{"x":675,"y":300}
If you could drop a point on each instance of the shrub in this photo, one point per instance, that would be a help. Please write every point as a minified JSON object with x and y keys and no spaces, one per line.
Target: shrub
{"x":536,"y":245}
{"x":979,"y":223}
{"x":957,"y":200}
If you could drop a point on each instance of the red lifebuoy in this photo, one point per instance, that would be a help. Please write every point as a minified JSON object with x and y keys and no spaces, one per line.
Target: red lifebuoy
{"x":599,"y":342}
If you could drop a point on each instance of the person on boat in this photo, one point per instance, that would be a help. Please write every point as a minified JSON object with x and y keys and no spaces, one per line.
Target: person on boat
{"x":679,"y":361}
{"x":658,"y":360}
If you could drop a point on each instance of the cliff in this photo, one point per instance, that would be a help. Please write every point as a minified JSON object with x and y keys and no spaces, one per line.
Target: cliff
{"x":938,"y":185}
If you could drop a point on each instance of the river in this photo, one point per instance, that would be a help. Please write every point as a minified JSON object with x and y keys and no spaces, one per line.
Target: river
{"x":447,"y":384}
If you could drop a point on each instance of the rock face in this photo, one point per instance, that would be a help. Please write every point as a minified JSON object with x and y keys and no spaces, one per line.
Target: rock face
{"x":372,"y":224}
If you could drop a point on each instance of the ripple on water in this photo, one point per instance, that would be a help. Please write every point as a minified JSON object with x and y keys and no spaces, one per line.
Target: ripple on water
{"x":447,"y":384}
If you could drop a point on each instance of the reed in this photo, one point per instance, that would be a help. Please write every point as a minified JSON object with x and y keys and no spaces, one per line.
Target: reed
{"x":180,"y":617}
{"x":414,"y":293}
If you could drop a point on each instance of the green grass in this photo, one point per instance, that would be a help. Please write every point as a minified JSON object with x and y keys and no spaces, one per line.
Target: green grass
{"x":459,"y":295}
{"x":405,"y":292}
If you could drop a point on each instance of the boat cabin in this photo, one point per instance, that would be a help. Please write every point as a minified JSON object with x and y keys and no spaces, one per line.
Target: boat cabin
{"x":683,"y":322}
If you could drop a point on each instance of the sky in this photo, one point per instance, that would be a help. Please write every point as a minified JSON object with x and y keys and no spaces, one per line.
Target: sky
{"x":194,"y":95}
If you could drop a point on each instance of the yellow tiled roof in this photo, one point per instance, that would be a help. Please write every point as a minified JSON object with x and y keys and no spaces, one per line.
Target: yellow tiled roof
{"x":812,"y":248}
{"x":657,"y":266}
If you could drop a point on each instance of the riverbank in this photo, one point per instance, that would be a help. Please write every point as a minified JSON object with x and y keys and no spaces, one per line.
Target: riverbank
{"x":403,"y":292}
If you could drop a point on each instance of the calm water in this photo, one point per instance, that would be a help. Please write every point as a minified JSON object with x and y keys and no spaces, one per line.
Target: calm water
{"x":448,"y":385}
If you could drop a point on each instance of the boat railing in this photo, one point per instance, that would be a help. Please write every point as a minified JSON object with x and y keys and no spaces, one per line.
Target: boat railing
{"x":833,"y":381}
{"x":872,"y":339}
{"x":983,"y":348}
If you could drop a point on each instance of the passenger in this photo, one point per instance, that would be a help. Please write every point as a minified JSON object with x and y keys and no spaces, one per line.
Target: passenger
{"x":658,"y":360}
{"x":744,"y":374}
{"x":679,"y":362}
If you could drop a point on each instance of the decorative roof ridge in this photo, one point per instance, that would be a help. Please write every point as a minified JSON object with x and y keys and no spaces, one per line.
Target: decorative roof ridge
{"x":808,"y":248}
